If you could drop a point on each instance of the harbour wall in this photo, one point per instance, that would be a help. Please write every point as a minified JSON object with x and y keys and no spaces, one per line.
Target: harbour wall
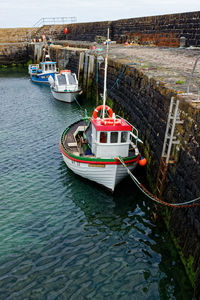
{"x":15,"y":53}
{"x":15,"y":35}
{"x":163,"y":31}
{"x":14,"y":45}
{"x":144,"y":101}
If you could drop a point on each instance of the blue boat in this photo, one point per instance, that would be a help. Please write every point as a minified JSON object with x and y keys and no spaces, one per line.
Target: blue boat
{"x":41,"y":72}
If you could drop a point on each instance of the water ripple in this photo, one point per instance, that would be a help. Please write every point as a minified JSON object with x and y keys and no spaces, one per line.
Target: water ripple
{"x":63,"y":237}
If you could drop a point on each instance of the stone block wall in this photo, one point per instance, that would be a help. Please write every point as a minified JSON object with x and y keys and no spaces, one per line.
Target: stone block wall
{"x":17,"y":53}
{"x":88,"y":31}
{"x":53,"y":32}
{"x":14,"y":35}
{"x":13,"y":45}
{"x":164,"y":30}
{"x":66,"y":58}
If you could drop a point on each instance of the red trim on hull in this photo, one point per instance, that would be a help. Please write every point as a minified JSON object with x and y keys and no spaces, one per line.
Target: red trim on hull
{"x":116,"y":162}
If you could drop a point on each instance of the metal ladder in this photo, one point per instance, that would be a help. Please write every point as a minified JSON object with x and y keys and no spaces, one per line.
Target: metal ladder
{"x":169,"y":141}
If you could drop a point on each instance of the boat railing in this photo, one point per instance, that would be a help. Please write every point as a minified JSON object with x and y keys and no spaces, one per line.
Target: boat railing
{"x":134,"y":133}
{"x":55,"y":20}
{"x":30,"y":67}
{"x":134,"y":129}
{"x":33,"y":68}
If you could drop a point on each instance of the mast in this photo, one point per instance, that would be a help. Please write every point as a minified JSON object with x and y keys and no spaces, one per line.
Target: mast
{"x":105,"y":75}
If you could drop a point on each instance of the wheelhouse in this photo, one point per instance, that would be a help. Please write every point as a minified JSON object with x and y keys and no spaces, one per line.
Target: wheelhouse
{"x":110,"y":140}
{"x":48,"y":67}
{"x":67,"y":80}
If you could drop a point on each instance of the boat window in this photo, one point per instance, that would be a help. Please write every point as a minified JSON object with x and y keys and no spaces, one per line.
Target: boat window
{"x":124,"y":136}
{"x":50,"y":67}
{"x":46,"y":67}
{"x":114,"y":137}
{"x":71,"y":79}
{"x":61,"y":79}
{"x":103,"y":137}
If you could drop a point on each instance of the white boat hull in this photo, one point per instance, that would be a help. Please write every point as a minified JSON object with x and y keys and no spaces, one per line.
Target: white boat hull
{"x":65,"y":96}
{"x":108,"y":175}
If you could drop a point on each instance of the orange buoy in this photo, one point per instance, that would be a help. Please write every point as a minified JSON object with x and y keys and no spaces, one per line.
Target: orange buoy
{"x":100,"y":107}
{"x":142,"y":161}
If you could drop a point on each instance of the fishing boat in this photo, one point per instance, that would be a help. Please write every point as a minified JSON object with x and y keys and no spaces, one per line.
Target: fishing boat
{"x":64,"y":86}
{"x":94,"y":147}
{"x":41,"y":72}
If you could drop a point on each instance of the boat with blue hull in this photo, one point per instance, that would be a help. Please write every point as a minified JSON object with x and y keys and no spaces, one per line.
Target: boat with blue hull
{"x":41,"y":72}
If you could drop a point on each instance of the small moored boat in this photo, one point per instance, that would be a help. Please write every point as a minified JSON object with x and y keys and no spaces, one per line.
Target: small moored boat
{"x":64,"y":86}
{"x":91,"y":147}
{"x":41,"y":72}
{"x":94,"y":147}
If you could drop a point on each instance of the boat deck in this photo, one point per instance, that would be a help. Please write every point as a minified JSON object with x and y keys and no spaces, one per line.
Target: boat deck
{"x":76,"y":146}
{"x":79,"y":145}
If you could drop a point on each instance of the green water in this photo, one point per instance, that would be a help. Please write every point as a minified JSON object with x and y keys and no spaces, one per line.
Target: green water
{"x":62,"y":237}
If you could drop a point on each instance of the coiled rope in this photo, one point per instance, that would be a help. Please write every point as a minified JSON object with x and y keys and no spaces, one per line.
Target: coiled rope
{"x":152,"y":197}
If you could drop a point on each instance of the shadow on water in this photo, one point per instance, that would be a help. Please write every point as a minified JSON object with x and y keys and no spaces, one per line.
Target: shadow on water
{"x":13,"y":72}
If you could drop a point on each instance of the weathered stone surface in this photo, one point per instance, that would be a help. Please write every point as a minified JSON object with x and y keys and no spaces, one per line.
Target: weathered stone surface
{"x":164,"y":30}
{"x":15,"y":35}
{"x":15,"y":53}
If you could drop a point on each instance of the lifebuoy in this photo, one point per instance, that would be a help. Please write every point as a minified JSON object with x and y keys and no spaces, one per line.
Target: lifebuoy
{"x":100,"y":107}
{"x":107,"y":121}
{"x":65,"y":71}
{"x":118,"y":122}
{"x":110,"y":121}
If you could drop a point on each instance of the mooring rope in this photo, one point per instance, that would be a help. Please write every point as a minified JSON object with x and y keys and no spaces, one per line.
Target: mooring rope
{"x":119,"y":77}
{"x":83,"y":112}
{"x":152,"y":197}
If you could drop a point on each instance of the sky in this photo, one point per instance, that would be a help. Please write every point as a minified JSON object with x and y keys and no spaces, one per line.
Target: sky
{"x":25,"y":13}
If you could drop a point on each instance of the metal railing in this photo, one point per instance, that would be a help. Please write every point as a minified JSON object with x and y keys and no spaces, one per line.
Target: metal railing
{"x":56,"y":20}
{"x":191,"y":75}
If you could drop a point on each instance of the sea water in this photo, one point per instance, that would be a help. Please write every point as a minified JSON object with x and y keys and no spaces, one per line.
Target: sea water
{"x":63,"y":237}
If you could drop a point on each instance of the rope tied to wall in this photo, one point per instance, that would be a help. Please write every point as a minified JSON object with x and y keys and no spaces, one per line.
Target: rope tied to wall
{"x":120,"y":76}
{"x":187,"y":204}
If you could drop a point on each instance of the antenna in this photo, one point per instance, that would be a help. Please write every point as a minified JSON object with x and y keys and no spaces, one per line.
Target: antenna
{"x":105,"y":75}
